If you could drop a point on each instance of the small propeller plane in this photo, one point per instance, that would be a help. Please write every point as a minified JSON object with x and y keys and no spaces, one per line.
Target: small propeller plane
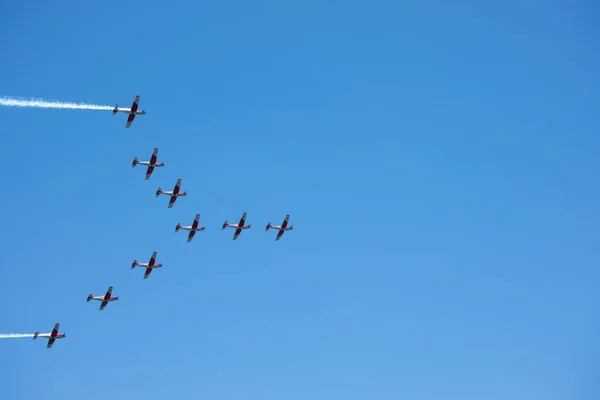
{"x":132,"y":112}
{"x":150,"y":164}
{"x":282,"y":228}
{"x":150,"y":265}
{"x":192,"y":228}
{"x":50,"y":336}
{"x":174,"y":194}
{"x":108,"y":297}
{"x":238,"y":227}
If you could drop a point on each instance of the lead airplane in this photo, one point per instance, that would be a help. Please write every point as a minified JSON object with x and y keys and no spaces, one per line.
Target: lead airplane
{"x":133,"y":111}
{"x":150,"y":164}
{"x":174,"y":194}
{"x":150,"y":265}
{"x":52,"y":336}
{"x":108,"y":297}
{"x":238,"y":227}
{"x":282,"y":228}
{"x":192,"y":228}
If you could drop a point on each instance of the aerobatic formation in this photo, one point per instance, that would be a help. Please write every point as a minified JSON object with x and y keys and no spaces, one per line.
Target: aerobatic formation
{"x":173,"y":195}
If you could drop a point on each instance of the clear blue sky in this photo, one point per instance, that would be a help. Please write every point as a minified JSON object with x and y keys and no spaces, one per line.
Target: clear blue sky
{"x":439,"y":162}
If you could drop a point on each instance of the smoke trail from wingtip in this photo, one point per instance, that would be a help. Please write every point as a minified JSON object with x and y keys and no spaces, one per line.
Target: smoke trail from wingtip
{"x":15,"y":335}
{"x":40,"y":103}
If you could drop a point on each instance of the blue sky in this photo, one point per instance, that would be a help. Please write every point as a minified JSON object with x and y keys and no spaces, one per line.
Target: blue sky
{"x":439,"y":162}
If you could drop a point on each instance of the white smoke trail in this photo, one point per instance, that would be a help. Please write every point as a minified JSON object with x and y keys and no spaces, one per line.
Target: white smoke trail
{"x":39,"y":103}
{"x":15,"y":335}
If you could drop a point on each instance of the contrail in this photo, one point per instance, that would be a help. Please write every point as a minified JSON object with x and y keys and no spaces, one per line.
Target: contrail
{"x":15,"y":335}
{"x":39,"y":103}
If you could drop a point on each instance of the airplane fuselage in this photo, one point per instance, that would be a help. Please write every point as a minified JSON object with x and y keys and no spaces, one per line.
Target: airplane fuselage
{"x":146,"y":265}
{"x":130,"y":112}
{"x":279,"y":228}
{"x":49,"y":336}
{"x":101,"y":298}
{"x":148,"y":164}
{"x":174,"y":194}
{"x":236,"y":226}
{"x":189,"y":228}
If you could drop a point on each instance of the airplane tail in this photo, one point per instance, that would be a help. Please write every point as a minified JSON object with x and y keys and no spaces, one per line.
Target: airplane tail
{"x":35,"y":335}
{"x":135,"y":162}
{"x":225,"y":224}
{"x":89,"y":297}
{"x":158,"y":192}
{"x":116,"y":109}
{"x":134,"y":264}
{"x":178,"y":227}
{"x":268,"y":226}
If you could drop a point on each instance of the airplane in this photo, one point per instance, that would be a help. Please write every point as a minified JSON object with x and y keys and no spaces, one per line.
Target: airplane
{"x":192,"y":228}
{"x":282,"y":228}
{"x":132,"y":112}
{"x":150,"y":164}
{"x":174,"y":194}
{"x":149,"y":265}
{"x":238,"y":227}
{"x":108,"y":297}
{"x":50,"y":336}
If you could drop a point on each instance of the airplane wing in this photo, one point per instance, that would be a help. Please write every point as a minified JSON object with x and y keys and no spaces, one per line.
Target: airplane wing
{"x":285,"y":221}
{"x":108,"y":292}
{"x":196,"y":220}
{"x":149,"y":171}
{"x":50,"y":342}
{"x":172,"y":201}
{"x":148,"y":272}
{"x":104,"y":303}
{"x":152,"y":259}
{"x":279,"y":234}
{"x":55,"y":330}
{"x":242,"y":220}
{"x":130,"y":119}
{"x":191,"y":236}
{"x":136,"y":103}
{"x":237,"y":233}
{"x":154,"y":156}
{"x":177,"y":186}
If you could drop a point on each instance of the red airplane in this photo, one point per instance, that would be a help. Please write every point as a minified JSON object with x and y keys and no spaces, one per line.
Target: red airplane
{"x":174,"y":194}
{"x":238,"y":227}
{"x":282,"y":228}
{"x":150,"y":164}
{"x":132,"y":112}
{"x":192,"y":228}
{"x":108,"y":297}
{"x":50,"y":336}
{"x":149,"y":265}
